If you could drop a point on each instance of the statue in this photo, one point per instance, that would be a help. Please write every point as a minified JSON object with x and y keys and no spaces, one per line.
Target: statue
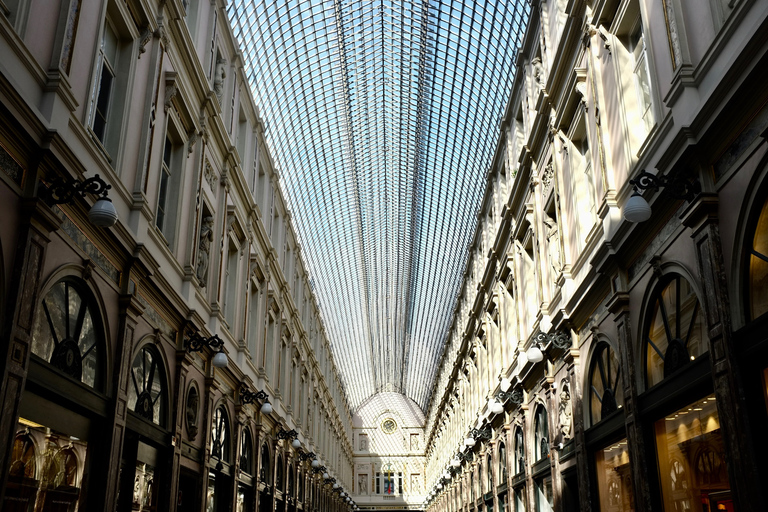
{"x":193,"y":402}
{"x":362,"y":484}
{"x":218,"y":78}
{"x":553,"y":244}
{"x":566,"y":415}
{"x":538,"y":73}
{"x":206,"y":238}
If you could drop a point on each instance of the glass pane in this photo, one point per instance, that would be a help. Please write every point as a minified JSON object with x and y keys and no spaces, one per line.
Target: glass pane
{"x":210,"y":503}
{"x":544,"y":495}
{"x":46,"y":469}
{"x":144,"y":488}
{"x":691,"y":458}
{"x":675,"y":335}
{"x":520,"y":500}
{"x":614,"y":480}
{"x":758,"y":266}
{"x":89,"y":350}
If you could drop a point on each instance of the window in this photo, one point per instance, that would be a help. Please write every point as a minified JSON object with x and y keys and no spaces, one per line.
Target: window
{"x":605,"y":395}
{"x":105,"y":77}
{"x":519,"y":451}
{"x":246,"y":452}
{"x":265,"y":470}
{"x":541,"y":433}
{"x":758,"y":267}
{"x":168,"y":190}
{"x":231,"y":287}
{"x":545,"y":498}
{"x":279,"y":473}
{"x":641,"y":74}
{"x":614,"y":480}
{"x":675,"y":333}
{"x":691,"y":458}
{"x":489,"y":466}
{"x":68,"y":333}
{"x":110,"y":84}
{"x":502,"y":464}
{"x":147,"y":390}
{"x":220,"y":435}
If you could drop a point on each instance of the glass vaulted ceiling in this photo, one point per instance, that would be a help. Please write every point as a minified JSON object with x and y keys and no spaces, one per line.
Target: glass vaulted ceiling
{"x":382,"y":118}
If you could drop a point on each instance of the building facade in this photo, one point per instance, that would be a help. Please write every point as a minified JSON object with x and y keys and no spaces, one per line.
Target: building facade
{"x":104,"y":408}
{"x":595,"y":363}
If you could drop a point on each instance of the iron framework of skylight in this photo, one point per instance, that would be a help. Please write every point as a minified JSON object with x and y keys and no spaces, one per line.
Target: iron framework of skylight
{"x":382,"y":118}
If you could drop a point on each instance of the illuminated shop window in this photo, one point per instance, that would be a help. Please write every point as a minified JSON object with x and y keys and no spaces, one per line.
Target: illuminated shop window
{"x":541,"y":434}
{"x":220,"y":435}
{"x":691,"y":459}
{"x":614,"y":480}
{"x":675,"y":335}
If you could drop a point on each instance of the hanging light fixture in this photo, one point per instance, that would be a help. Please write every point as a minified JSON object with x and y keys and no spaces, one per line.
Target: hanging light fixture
{"x":196,"y":343}
{"x":637,"y":209}
{"x":63,"y":191}
{"x":534,"y":353}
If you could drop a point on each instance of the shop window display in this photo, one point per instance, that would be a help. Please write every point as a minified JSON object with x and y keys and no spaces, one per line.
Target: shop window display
{"x":614,"y":480}
{"x":541,"y":434}
{"x":691,"y":459}
{"x":47,"y":469}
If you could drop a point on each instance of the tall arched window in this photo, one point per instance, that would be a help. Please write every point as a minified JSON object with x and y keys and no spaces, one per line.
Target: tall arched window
{"x":502,"y":463}
{"x":289,"y":490}
{"x":519,"y":451}
{"x":220,"y":435}
{"x":541,"y":433}
{"x":147,"y":390}
{"x":605,"y":394}
{"x":300,"y":484}
{"x":489,"y":467}
{"x":674,"y":336}
{"x":279,"y":473}
{"x":758,"y":266}
{"x":266,"y":468}
{"x":246,"y":452}
{"x":68,"y":332}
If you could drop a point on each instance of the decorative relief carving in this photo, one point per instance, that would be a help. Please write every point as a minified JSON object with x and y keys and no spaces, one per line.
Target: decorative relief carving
{"x":547,"y":178}
{"x":170,"y":93}
{"x":672,"y":34}
{"x":565,"y":411}
{"x":191,"y":142}
{"x":210,"y":175}
{"x":539,"y":76}
{"x":146,"y":37}
{"x":553,"y":245}
{"x":218,"y":81}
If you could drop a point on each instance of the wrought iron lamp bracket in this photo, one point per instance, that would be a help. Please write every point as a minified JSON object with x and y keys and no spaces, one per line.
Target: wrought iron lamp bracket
{"x":248,"y":397}
{"x":63,"y":190}
{"x":676,"y":187}
{"x":196,"y":343}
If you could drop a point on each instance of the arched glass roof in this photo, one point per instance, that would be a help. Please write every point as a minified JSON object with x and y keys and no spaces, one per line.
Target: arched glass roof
{"x":382,"y":117}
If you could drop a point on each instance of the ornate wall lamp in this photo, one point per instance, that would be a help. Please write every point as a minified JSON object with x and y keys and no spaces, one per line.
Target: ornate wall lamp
{"x":559,"y":339}
{"x":482,"y":434}
{"x":319,"y":469}
{"x":303,"y":456}
{"x":248,"y":397}
{"x":196,"y":343}
{"x":637,"y":208}
{"x":514,"y":395}
{"x":290,"y":434}
{"x":64,"y":191}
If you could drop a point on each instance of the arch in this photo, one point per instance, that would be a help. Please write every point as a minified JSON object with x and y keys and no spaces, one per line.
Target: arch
{"x":23,"y":457}
{"x":604,"y":382}
{"x":69,"y":331}
{"x":673,"y":331}
{"x":148,"y":393}
{"x":754,"y":199}
{"x":265,"y":463}
{"x":489,"y":471}
{"x":192,"y":409}
{"x":220,"y":434}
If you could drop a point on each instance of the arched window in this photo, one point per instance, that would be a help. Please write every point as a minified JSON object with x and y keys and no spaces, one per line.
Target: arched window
{"x":68,"y":333}
{"x":758,"y":266}
{"x":674,"y":336}
{"x":220,"y":435}
{"x":279,"y":473}
{"x":541,"y":433}
{"x":519,"y":451}
{"x":300,"y":483}
{"x":23,"y":458}
{"x":605,"y":394}
{"x":147,"y":390}
{"x":289,"y":491}
{"x":502,"y":463}
{"x":246,"y":452}
{"x":489,"y":467}
{"x":266,"y":469}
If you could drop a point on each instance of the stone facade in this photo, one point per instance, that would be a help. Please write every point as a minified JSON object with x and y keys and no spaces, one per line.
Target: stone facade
{"x":649,"y":390}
